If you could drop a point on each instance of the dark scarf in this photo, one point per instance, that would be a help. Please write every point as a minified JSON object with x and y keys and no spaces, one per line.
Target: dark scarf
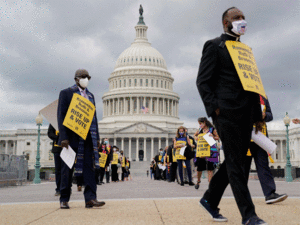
{"x":93,"y":131}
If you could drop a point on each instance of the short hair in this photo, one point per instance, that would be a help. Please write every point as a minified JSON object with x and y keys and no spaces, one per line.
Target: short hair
{"x":226,"y":11}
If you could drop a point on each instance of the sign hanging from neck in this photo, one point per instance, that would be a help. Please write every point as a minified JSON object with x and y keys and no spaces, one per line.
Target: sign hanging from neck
{"x":246,"y":67}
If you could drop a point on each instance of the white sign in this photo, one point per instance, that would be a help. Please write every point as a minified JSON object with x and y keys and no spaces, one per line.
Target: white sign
{"x":50,"y":113}
{"x":182,"y":150}
{"x":262,"y":141}
{"x":68,"y":156}
{"x":210,"y":140}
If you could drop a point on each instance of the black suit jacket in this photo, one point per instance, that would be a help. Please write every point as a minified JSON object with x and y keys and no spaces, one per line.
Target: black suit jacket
{"x":52,"y":135}
{"x":64,"y":101}
{"x":218,"y":82}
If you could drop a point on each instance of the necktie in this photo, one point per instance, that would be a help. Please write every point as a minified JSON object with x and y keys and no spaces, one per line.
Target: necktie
{"x":84,"y":94}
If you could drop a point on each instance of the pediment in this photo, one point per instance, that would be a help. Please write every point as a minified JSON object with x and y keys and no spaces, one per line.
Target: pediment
{"x":140,"y":127}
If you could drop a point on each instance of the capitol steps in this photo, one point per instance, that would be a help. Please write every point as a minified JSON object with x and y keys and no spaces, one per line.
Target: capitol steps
{"x":139,"y":168}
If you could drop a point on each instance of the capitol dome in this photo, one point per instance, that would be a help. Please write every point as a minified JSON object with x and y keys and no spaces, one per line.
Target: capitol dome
{"x":140,"y":55}
{"x":140,"y":87}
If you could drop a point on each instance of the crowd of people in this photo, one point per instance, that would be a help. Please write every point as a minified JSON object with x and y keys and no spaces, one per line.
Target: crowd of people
{"x":172,"y":165}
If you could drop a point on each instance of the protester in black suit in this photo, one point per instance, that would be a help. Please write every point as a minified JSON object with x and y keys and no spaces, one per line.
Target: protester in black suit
{"x":234,"y":111}
{"x":86,"y":150}
{"x":56,"y":149}
{"x":261,"y":160}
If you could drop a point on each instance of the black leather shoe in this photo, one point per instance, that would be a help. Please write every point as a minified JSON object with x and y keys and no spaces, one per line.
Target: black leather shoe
{"x":94,"y":203}
{"x":182,"y":183}
{"x":191,"y":183}
{"x":64,"y":205}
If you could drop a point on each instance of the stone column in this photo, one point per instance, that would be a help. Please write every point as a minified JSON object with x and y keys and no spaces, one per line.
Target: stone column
{"x":15,"y":147}
{"x":129,"y":146}
{"x":118,"y":107}
{"x":138,"y":106}
{"x":152,"y":147}
{"x":159,"y":143}
{"x":108,"y":107}
{"x":151,"y":105}
{"x":281,"y":152}
{"x":157,"y":106}
{"x":137,"y":150}
{"x":6,"y":145}
{"x":167,"y":141}
{"x":167,"y":107}
{"x":164,"y":106}
{"x":123,"y":106}
{"x":122,"y":144}
{"x":113,"y":107}
{"x":145,"y":150}
{"x":115,"y":141}
{"x":131,"y":106}
{"x":126,"y":106}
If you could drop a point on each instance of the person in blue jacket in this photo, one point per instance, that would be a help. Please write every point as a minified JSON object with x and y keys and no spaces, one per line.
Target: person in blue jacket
{"x":87,"y":157}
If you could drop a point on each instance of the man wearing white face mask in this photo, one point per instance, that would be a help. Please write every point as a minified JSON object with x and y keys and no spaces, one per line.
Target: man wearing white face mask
{"x":87,"y":156}
{"x":234,"y":111}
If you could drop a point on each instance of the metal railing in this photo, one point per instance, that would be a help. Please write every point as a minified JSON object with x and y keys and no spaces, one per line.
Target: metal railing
{"x":13,"y":170}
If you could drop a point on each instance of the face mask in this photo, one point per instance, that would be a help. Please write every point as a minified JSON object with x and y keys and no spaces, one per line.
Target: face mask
{"x":239,"y":27}
{"x":106,"y":142}
{"x":84,"y":82}
{"x":181,"y":133}
{"x":161,"y":153}
{"x":114,"y":149}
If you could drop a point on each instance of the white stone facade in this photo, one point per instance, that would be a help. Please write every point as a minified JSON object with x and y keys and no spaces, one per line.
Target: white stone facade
{"x":24,"y":142}
{"x":131,"y":139}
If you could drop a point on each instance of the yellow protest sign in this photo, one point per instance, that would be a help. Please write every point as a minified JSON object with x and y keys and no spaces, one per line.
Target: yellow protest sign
{"x":115,"y":159}
{"x":246,"y":67}
{"x":79,"y":115}
{"x":177,"y":151}
{"x":203,"y":148}
{"x":102,"y":159}
{"x":174,"y":156}
{"x":159,"y":158}
{"x":127,"y":164}
{"x":123,"y":162}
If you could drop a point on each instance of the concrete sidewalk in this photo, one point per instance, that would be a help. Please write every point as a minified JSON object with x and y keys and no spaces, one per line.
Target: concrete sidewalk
{"x":149,"y":211}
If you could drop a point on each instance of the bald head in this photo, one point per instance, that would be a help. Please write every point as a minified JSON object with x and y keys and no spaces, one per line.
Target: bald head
{"x":230,"y":15}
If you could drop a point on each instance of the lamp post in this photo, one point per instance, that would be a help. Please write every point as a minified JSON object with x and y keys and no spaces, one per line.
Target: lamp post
{"x":37,"y":179}
{"x":288,"y":168}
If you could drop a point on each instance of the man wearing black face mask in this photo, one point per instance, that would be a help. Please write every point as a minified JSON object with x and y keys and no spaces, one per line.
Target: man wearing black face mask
{"x":87,"y":156}
{"x":234,"y":111}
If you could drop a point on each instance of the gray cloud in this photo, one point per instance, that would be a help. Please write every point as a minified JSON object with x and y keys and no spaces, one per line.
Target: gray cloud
{"x":42,"y":43}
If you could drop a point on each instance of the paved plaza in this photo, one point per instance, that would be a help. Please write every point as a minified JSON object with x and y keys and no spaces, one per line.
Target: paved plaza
{"x":140,"y":201}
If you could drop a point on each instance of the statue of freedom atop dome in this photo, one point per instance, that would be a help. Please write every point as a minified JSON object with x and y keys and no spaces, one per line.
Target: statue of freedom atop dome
{"x":141,"y":10}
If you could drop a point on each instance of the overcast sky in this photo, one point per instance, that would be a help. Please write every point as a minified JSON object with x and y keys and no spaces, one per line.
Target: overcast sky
{"x":43,"y":43}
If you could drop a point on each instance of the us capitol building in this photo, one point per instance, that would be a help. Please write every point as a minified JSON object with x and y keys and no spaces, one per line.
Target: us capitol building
{"x":140,"y":111}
